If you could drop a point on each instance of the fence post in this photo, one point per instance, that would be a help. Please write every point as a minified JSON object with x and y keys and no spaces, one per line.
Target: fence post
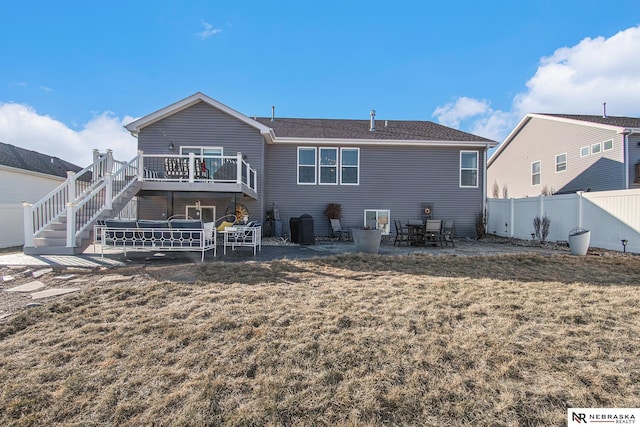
{"x":512,"y":216}
{"x":71,"y":186}
{"x":192,"y":165}
{"x":541,"y":205}
{"x":239,"y":168}
{"x":71,"y":225}
{"x":579,"y":200}
{"x":140,"y":166}
{"x":28,"y":224}
{"x":109,"y":161}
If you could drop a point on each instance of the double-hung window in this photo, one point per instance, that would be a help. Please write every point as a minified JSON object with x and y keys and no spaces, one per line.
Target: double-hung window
{"x":561,"y":162}
{"x":329,"y":166}
{"x":469,"y":169}
{"x":307,"y":165}
{"x":535,"y":173}
{"x":349,"y":166}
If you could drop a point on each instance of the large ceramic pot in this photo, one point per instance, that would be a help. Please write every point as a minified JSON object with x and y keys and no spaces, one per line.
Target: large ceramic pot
{"x":579,"y":241}
{"x":367,"y":241}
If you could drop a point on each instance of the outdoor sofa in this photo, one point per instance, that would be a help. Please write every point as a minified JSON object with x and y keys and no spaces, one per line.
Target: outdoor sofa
{"x":162,"y":235}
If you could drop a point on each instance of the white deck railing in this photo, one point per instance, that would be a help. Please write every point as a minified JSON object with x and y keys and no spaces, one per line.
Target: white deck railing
{"x":196,"y":168}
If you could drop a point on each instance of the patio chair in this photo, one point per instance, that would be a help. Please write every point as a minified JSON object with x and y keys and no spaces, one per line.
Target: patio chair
{"x":433,"y":232}
{"x":337,"y":231}
{"x":402,"y":233}
{"x":448,"y":232}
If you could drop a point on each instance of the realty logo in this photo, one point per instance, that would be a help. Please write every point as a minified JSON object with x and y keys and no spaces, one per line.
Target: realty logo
{"x":579,"y":417}
{"x":582,"y":416}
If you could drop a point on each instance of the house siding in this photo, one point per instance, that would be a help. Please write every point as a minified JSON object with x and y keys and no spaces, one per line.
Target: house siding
{"x":24,"y":186}
{"x":541,"y":140}
{"x":396,"y":178}
{"x":634,"y":158}
{"x":205,"y":126}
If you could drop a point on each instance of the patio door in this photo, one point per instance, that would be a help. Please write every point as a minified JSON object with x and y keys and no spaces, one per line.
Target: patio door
{"x":203,"y":213}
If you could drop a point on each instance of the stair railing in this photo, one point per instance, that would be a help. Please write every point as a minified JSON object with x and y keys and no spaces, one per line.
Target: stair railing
{"x":85,"y":211}
{"x":39,"y":215}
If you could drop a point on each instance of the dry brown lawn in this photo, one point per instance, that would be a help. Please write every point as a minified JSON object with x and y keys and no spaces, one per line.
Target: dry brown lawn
{"x":346,"y":340}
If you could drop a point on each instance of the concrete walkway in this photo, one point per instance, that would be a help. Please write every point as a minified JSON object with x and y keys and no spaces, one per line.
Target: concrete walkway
{"x":271,"y":250}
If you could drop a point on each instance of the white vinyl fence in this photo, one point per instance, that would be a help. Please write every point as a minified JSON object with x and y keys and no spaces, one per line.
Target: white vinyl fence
{"x":12,"y":221}
{"x":611,"y":216}
{"x":11,"y":225}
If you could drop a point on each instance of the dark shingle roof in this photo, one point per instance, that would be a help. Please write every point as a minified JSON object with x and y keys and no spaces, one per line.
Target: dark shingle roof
{"x":359,"y":129}
{"x":625,"y":122}
{"x":20,"y":158}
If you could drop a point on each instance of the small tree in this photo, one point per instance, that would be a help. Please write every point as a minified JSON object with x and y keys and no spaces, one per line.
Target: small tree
{"x":496,"y":190}
{"x":505,"y":191}
{"x":541,"y":227}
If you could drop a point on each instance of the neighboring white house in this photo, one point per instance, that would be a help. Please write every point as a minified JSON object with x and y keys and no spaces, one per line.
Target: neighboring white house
{"x":26,"y":176}
{"x":565,"y":153}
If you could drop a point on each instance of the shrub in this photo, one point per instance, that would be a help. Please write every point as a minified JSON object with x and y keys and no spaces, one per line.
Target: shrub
{"x":541,"y":227}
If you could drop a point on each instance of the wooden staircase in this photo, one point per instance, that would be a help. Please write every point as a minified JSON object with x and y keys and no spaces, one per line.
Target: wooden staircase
{"x":62,"y":222}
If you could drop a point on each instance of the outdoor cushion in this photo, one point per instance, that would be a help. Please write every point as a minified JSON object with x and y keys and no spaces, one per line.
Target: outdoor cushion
{"x":223,"y":225}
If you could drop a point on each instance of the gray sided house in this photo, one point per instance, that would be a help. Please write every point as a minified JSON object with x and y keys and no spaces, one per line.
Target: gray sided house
{"x":378,"y":170}
{"x":564,"y":153}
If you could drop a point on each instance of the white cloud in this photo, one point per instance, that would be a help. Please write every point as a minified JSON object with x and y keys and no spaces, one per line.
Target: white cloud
{"x":22,"y":126}
{"x":452,"y":113}
{"x":208,"y":31}
{"x":573,"y":80}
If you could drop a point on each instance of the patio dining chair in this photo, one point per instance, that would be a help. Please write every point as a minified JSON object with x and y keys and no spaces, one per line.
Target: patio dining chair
{"x":433,"y":232}
{"x":402,"y":233}
{"x":448,"y":232}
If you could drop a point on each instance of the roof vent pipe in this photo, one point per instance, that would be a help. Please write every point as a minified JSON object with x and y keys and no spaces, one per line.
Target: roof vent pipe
{"x":604,"y":110}
{"x":373,"y":120}
{"x":273,"y":113}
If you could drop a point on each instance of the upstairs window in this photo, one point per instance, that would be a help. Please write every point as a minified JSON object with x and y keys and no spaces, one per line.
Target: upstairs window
{"x":561,"y":162}
{"x":596,"y":148}
{"x":469,"y":169}
{"x":329,"y":166}
{"x":585,"y":151}
{"x":608,"y":145}
{"x":535,"y":173}
{"x":349,"y":166}
{"x":307,"y":165}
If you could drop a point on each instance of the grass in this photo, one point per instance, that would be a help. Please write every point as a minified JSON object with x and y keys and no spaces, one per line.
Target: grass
{"x":346,"y":340}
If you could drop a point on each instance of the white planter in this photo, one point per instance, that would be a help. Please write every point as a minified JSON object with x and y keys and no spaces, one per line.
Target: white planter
{"x":579,"y":242}
{"x":367,"y":241}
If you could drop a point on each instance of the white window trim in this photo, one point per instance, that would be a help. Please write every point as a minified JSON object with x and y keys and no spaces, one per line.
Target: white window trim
{"x":315,"y":166}
{"x":350,"y":166}
{"x":320,"y":166}
{"x":477,"y":169}
{"x":588,"y":147}
{"x":607,"y":149}
{"x":565,"y":162}
{"x":597,"y":144}
{"x":201,"y":148}
{"x":386,"y":230}
{"x":539,"y":173}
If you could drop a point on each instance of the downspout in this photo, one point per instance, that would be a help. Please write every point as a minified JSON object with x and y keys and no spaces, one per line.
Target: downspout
{"x":626,"y":164}
{"x":484,"y":187}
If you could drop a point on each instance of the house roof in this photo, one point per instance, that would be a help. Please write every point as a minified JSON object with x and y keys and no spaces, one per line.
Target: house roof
{"x":623,"y":122}
{"x":21,"y":158}
{"x":283,"y":130}
{"x":614,"y":123}
{"x":135,"y":126}
{"x":385,"y":130}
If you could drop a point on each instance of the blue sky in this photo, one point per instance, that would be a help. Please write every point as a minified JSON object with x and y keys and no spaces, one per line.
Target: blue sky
{"x":72,"y":73}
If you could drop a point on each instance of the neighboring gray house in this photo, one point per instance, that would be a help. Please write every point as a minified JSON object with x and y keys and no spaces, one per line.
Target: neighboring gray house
{"x":565,"y":153}
{"x":378,"y":170}
{"x":26,"y":176}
